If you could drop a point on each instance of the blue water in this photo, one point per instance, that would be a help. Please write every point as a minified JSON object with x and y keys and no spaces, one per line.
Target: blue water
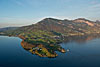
{"x":81,"y":54}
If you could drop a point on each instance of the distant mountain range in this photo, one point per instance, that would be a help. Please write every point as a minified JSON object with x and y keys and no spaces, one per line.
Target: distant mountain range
{"x":7,"y":28}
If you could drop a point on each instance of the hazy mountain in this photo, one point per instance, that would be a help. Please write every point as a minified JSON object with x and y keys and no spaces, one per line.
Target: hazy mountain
{"x":7,"y":28}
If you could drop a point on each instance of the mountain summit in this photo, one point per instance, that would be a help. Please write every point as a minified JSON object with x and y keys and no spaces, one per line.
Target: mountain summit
{"x":83,"y":20}
{"x":49,"y":32}
{"x":78,"y":26}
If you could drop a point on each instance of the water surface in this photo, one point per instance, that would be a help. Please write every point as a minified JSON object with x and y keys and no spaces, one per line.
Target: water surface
{"x":84,"y":52}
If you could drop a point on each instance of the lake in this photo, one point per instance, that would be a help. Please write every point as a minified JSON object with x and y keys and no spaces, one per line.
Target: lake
{"x":83,"y":52}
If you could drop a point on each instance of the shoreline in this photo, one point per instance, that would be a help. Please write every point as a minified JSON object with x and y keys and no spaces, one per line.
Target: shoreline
{"x":40,"y":46}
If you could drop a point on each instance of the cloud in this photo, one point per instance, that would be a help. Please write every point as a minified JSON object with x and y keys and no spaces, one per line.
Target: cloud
{"x":18,"y":2}
{"x":95,"y":5}
{"x":93,"y":8}
{"x":94,"y":2}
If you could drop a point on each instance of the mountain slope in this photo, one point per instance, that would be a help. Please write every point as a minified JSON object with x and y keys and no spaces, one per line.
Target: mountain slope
{"x":43,"y":37}
{"x":67,"y":27}
{"x":52,"y":30}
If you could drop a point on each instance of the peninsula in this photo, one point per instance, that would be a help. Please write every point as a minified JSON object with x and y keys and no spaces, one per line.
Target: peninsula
{"x":44,"y":37}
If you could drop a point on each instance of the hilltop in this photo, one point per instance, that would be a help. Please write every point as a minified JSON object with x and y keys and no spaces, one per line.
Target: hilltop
{"x":49,"y":32}
{"x":51,"y":27}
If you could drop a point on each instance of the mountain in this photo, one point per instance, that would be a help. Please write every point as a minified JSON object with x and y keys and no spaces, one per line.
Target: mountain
{"x":66,"y":27}
{"x":7,"y":28}
{"x":52,"y":30}
{"x":43,"y":37}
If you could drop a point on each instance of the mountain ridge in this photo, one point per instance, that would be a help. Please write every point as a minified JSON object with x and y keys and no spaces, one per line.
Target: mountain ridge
{"x":46,"y":35}
{"x":63,"y":26}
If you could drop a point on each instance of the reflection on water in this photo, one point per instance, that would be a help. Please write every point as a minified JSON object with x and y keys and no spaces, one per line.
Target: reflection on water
{"x":80,"y":54}
{"x":81,"y":39}
{"x":49,"y":50}
{"x":42,"y":50}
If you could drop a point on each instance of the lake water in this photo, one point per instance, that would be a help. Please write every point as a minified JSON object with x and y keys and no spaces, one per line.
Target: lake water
{"x":83,"y":52}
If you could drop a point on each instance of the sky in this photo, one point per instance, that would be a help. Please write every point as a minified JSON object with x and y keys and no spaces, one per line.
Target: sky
{"x":26,"y":12}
